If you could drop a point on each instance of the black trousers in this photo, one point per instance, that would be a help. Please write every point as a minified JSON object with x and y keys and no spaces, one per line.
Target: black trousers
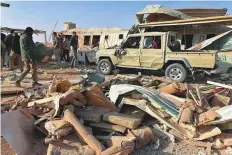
{"x":65,"y":55}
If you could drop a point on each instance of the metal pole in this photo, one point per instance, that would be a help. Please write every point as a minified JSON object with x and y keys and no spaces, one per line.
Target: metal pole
{"x":45,"y":37}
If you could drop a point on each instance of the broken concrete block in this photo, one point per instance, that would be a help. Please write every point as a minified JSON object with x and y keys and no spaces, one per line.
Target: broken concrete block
{"x":91,"y":113}
{"x":109,"y":126}
{"x":207,"y":116}
{"x":122,"y":119}
{"x":186,"y":116}
{"x":220,"y":100}
{"x":120,"y":145}
{"x":223,"y":140}
{"x":206,"y":132}
{"x":177,"y":135}
{"x":85,"y":135}
{"x":132,"y":111}
{"x":144,"y":135}
{"x":95,"y":96}
{"x":70,"y":144}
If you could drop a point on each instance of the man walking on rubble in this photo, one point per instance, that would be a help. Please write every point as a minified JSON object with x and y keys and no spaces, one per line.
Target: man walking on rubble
{"x":57,"y":47}
{"x":66,"y":47}
{"x":15,"y":53}
{"x":74,"y":46}
{"x":28,"y":53}
{"x":3,"y":49}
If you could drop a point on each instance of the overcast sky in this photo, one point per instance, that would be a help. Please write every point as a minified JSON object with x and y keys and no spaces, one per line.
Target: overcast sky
{"x":43,"y":15}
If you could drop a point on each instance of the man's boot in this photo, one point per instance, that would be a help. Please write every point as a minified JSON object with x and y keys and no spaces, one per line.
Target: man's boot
{"x":36,"y":84}
{"x":17,"y":84}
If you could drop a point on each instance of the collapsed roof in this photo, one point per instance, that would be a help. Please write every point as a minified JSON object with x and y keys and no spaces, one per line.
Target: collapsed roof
{"x":159,"y":13}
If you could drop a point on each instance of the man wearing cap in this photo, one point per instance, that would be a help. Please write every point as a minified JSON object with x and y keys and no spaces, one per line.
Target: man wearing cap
{"x":28,"y":54}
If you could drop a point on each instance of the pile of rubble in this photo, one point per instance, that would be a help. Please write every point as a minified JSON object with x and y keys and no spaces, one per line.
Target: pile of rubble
{"x":120,"y":115}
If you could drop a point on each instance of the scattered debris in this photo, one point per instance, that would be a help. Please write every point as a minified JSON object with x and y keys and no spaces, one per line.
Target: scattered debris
{"x":120,"y":116}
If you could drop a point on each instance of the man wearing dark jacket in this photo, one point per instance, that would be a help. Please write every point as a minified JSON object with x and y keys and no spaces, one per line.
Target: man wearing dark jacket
{"x":73,"y":47}
{"x":15,"y":53}
{"x":8,"y":42}
{"x":28,"y":53}
{"x":3,"y":49}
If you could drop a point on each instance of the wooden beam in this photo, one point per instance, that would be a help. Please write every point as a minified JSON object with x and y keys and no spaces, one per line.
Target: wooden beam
{"x":219,"y":84}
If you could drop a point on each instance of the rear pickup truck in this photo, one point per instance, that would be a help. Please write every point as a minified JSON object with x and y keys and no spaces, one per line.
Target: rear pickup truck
{"x":156,"y":51}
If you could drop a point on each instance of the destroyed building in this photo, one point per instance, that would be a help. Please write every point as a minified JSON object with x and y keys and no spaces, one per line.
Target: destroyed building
{"x":89,"y":37}
{"x":205,"y":22}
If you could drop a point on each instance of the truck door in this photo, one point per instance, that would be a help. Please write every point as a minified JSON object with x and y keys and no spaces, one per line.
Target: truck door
{"x":130,"y":54}
{"x":152,"y":52}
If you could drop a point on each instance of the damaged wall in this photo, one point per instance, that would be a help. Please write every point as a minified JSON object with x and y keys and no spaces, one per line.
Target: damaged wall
{"x":107,"y":37}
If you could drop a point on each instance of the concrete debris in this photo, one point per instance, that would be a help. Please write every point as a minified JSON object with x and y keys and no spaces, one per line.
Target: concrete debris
{"x":120,"y":115}
{"x":144,"y":136}
{"x":122,"y":119}
{"x":91,"y":113}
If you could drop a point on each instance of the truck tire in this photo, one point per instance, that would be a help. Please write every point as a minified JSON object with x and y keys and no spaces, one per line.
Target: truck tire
{"x":176,"y":72}
{"x":104,"y":66}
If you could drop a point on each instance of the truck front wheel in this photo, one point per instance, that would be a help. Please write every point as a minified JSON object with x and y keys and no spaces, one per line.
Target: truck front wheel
{"x":176,"y":72}
{"x":104,"y":66}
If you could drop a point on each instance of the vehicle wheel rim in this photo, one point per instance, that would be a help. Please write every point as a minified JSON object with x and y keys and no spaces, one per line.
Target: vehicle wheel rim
{"x":175,"y":73}
{"x":104,"y":67}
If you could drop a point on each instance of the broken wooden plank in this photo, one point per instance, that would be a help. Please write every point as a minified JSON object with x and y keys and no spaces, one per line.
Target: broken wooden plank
{"x":206,"y":132}
{"x":219,"y":84}
{"x":7,"y":90}
{"x":83,"y":132}
{"x":109,"y":126}
{"x":122,"y":119}
{"x":42,"y":101}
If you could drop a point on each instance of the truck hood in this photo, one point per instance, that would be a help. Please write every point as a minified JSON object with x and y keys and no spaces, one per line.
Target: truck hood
{"x":105,"y":52}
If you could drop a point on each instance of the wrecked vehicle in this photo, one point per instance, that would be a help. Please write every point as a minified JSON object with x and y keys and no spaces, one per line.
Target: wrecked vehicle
{"x":156,"y":51}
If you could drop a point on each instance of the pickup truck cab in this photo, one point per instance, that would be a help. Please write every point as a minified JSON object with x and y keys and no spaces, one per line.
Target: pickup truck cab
{"x":155,"y":51}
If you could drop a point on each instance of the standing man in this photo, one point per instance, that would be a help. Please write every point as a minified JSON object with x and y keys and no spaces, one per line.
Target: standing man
{"x":74,"y":46}
{"x":15,"y":53}
{"x":3,"y":49}
{"x":66,"y":49}
{"x":8,"y":42}
{"x":28,"y":52}
{"x":57,"y":47}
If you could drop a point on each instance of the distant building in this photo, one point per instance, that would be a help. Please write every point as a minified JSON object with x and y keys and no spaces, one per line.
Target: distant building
{"x":105,"y":37}
{"x":188,"y":35}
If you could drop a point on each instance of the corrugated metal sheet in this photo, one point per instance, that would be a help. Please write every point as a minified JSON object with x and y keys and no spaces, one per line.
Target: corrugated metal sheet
{"x":157,"y":12}
{"x":218,"y":20}
{"x":219,"y":42}
{"x":161,"y":9}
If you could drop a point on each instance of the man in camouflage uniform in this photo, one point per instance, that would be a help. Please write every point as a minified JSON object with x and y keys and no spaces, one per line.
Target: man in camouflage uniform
{"x":28,"y":54}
